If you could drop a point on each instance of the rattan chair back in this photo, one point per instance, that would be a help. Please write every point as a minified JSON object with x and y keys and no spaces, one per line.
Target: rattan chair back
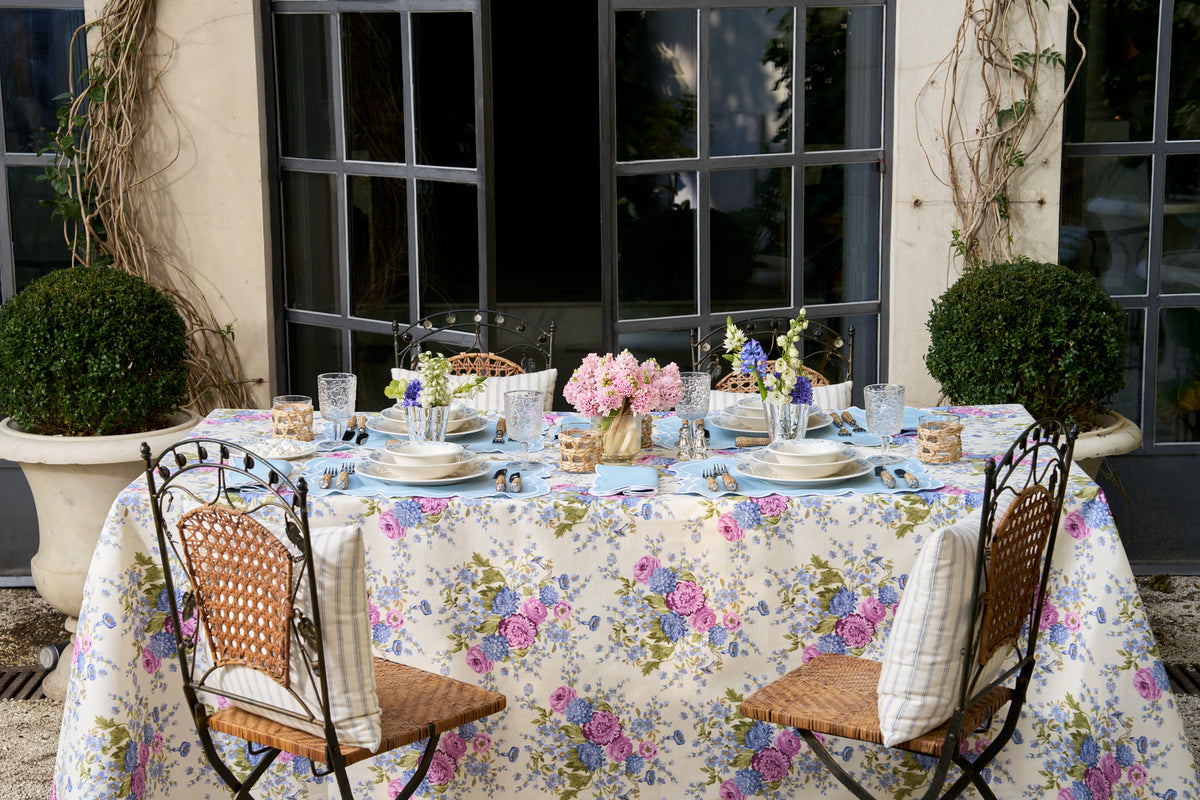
{"x":479,"y":341}
{"x":746,"y":384}
{"x":827,"y":355}
{"x":486,"y":365}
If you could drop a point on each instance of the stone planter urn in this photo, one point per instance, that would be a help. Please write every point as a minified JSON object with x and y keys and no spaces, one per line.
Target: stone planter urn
{"x":74,"y":480}
{"x":1116,"y":436}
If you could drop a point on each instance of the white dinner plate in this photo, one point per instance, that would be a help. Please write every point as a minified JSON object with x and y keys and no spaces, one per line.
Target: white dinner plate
{"x":467,"y":471}
{"x":392,"y":428}
{"x":727,"y":421}
{"x":785,"y":469}
{"x":286,"y":448}
{"x":757,"y":469}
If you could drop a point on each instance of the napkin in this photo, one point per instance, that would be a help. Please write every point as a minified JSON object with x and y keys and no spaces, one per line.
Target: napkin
{"x":611,"y":479}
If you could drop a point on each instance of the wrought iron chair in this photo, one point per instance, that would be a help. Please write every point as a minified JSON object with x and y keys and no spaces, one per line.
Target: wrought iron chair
{"x":838,"y":695}
{"x":238,"y":563}
{"x":478,"y":342}
{"x":827,"y":355}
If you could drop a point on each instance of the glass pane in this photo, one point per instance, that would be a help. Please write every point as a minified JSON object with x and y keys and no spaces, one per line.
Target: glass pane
{"x":1128,"y":401}
{"x":1105,"y":227}
{"x":749,"y":239}
{"x":374,"y":358}
{"x":444,"y":77}
{"x":751,"y":93}
{"x":1183,"y":109}
{"x":655,"y":84}
{"x":1181,"y":226}
{"x":1113,"y":97}
{"x":310,"y":258}
{"x":1177,"y":392}
{"x":664,"y":346}
{"x":447,"y":246}
{"x":656,"y":245}
{"x":37,"y":240}
{"x":843,"y":78}
{"x":312,"y":350}
{"x":35,"y":62}
{"x":841,"y":233}
{"x":302,"y":67}
{"x":374,"y":87}
{"x":378,"y":235}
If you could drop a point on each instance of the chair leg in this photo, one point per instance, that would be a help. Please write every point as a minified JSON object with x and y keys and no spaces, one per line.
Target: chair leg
{"x":834,"y":767}
{"x":422,"y":767}
{"x":243,"y":789}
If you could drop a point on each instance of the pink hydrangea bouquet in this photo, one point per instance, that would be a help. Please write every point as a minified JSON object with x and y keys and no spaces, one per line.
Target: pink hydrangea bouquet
{"x":612,"y":385}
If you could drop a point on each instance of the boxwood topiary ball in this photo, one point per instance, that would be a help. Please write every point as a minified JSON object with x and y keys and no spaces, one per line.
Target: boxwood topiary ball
{"x":91,"y":350}
{"x":1030,"y":333}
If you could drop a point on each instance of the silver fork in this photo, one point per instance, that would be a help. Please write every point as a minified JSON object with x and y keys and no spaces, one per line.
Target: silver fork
{"x":730,"y":482}
{"x":841,"y":426}
{"x":327,"y":477}
{"x":343,"y":478}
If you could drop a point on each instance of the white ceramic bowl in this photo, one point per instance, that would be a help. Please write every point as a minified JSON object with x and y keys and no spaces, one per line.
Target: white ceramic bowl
{"x":422,"y":454}
{"x":811,"y":451}
{"x":387,"y":464}
{"x":800,"y":471}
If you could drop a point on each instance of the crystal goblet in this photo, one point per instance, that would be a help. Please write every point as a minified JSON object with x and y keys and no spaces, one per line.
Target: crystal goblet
{"x":336,"y":393}
{"x":523,"y":420}
{"x":885,"y":416}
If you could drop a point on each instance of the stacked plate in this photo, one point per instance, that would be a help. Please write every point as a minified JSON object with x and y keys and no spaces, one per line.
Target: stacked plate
{"x":747,"y":416}
{"x":805,"y":462}
{"x":463,"y":421}
{"x":424,"y":463}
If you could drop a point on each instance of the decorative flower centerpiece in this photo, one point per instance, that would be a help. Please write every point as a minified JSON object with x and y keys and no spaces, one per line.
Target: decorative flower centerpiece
{"x":785,"y":391}
{"x":615,"y":391}
{"x":426,"y":399}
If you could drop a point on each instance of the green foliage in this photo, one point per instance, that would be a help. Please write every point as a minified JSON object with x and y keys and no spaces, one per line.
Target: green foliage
{"x":91,"y":350}
{"x":1030,"y":333}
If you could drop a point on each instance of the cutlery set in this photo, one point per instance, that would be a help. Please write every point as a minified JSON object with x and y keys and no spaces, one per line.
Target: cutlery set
{"x":721,"y":472}
{"x":356,"y":429}
{"x":506,"y":482}
{"x":337,"y":476}
{"x":889,"y":480}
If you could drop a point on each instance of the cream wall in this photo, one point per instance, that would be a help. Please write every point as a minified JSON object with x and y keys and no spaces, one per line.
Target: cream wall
{"x":207,"y":203}
{"x":922,"y":211}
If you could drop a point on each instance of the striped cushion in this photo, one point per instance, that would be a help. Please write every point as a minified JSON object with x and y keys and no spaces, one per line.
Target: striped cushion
{"x":922,"y":660}
{"x":836,"y":396}
{"x":339,"y":564}
{"x":492,"y":396}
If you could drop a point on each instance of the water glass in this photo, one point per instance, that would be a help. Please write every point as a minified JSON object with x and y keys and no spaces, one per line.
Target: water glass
{"x":885,"y":416}
{"x":292,"y":417}
{"x":523,"y":419}
{"x":691,"y":409}
{"x":335,"y":393}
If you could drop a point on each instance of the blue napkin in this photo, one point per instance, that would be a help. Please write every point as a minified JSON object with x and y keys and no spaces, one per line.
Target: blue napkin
{"x":612,"y":479}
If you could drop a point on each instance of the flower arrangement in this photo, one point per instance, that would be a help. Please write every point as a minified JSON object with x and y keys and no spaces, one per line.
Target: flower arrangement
{"x":786,"y":383}
{"x":435,"y":386}
{"x":614,"y":385}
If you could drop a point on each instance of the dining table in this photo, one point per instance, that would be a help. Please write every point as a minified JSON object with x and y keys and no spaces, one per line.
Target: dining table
{"x":625,"y":621}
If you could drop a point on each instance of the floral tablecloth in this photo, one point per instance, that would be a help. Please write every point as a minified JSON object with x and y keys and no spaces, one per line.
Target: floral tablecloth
{"x":625,"y":631}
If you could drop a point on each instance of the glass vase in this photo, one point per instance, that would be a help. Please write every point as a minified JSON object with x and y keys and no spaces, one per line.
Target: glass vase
{"x":620,"y":437}
{"x":786,"y":420}
{"x":427,"y":424}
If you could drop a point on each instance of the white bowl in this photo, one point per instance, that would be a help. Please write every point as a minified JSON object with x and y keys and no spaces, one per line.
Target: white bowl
{"x":422,"y":454}
{"x":387,"y":464}
{"x":784,"y":469}
{"x":811,"y":451}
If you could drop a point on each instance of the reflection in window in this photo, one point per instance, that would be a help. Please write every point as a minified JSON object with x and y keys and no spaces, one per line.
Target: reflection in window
{"x":448,"y":248}
{"x":38,"y":245}
{"x":843,"y":78}
{"x":1181,"y":226}
{"x":751,"y":94}
{"x":655,"y":84}
{"x":1183,"y":112}
{"x":444,"y":86}
{"x":374,"y":87}
{"x":841,"y":233}
{"x":35,"y":60}
{"x":1177,"y":398}
{"x":1105,"y":227}
{"x":378,"y":247}
{"x":656,"y":245}
{"x":749,"y":242}
{"x":302,"y":76}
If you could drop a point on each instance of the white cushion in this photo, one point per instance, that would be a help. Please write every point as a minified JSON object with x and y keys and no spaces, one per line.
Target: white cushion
{"x":835,"y":396}
{"x":492,"y":396}
{"x":339,"y":563}
{"x":922,"y":661}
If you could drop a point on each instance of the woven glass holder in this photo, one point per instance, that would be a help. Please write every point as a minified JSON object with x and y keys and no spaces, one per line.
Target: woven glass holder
{"x":579,"y":448}
{"x":939,"y":438}
{"x":292,"y":417}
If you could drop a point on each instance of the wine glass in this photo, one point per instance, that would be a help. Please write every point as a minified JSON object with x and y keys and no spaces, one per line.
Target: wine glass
{"x":690,"y":409}
{"x":335,"y":393}
{"x":523,"y":419}
{"x":885,"y":416}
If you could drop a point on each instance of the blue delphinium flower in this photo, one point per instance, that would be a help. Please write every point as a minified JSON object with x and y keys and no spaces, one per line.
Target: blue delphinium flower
{"x":888,"y":595}
{"x":759,"y":736}
{"x":662,"y":580}
{"x":717,"y":635}
{"x":495,"y":647}
{"x":1089,"y":752}
{"x":802,"y":392}
{"x":578,"y":711}
{"x":411,"y":393}
{"x":505,"y":602}
{"x":548,"y":595}
{"x":634,"y":764}
{"x":674,"y":626}
{"x":407,"y":513}
{"x":844,"y":602}
{"x":747,"y":514}
{"x":590,"y":755}
{"x":831,"y":643}
{"x":748,"y":780}
{"x":1124,"y":755}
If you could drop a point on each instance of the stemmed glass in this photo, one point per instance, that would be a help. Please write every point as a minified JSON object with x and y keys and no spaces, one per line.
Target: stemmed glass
{"x":691,"y":409}
{"x":885,"y":416}
{"x":523,"y":419}
{"x":335,"y":393}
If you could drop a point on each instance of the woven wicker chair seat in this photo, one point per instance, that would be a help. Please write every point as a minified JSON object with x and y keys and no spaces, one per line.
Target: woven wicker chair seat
{"x":412,"y":699}
{"x":746,"y":384}
{"x":487,"y":365}
{"x":836,"y":695}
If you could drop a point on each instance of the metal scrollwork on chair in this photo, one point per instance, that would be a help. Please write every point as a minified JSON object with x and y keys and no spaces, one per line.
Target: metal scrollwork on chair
{"x":478,"y":342}
{"x":828,"y":356}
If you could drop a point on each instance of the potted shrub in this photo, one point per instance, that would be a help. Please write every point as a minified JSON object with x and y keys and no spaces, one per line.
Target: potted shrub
{"x":93,"y":361}
{"x":1040,"y":335}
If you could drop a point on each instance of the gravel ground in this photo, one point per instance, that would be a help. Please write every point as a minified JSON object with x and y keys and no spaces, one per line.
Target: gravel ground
{"x":29,"y":729}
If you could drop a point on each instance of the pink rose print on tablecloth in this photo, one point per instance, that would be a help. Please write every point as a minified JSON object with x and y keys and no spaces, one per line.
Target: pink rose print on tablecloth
{"x":728,"y":528}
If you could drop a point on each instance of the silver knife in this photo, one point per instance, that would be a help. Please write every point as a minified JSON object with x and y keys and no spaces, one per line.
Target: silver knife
{"x":363,"y":433}
{"x":888,"y":479}
{"x":912,"y":480}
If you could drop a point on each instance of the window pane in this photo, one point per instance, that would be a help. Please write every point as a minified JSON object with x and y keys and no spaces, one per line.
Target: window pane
{"x":1183,"y":114}
{"x":1113,"y":98}
{"x":374,"y":87}
{"x":749,"y":239}
{"x":447,"y":246}
{"x":1177,"y":399}
{"x":841,"y":233}
{"x":312,"y":350}
{"x":378,"y":247}
{"x":655,"y":84}
{"x":1128,"y":401}
{"x":843,"y":78}
{"x":302,"y":67}
{"x":373,"y":361}
{"x":656,"y":245}
{"x":35,"y":51}
{"x":444,"y":85}
{"x":751,"y":91}
{"x":310,"y":247}
{"x":37,"y":240}
{"x":1181,"y":226}
{"x":1105,"y":220}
